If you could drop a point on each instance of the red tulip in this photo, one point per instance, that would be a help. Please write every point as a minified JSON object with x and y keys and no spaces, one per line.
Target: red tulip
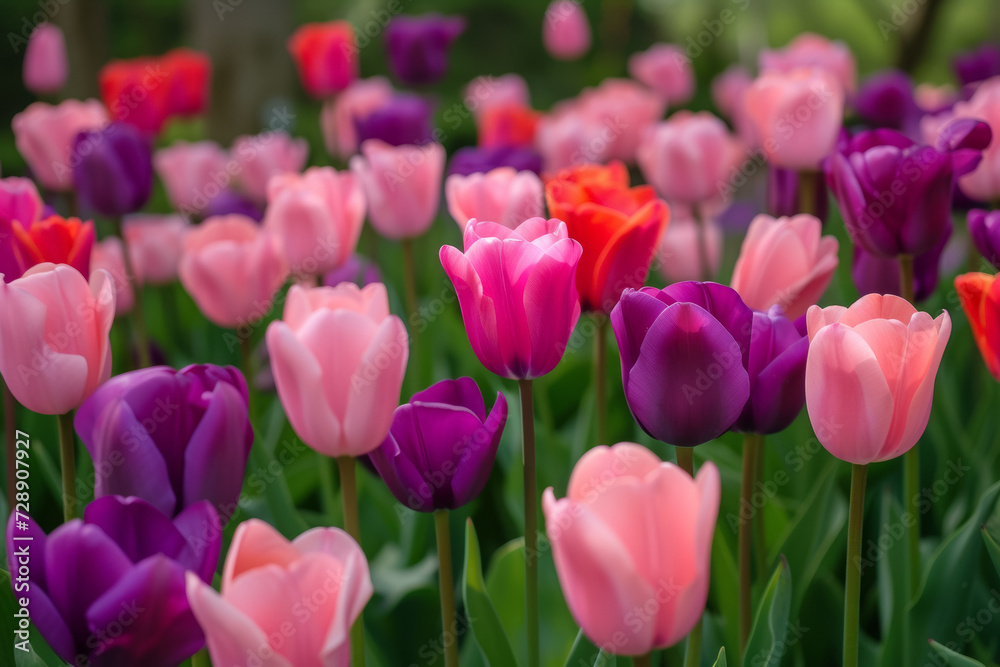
{"x":326,"y":57}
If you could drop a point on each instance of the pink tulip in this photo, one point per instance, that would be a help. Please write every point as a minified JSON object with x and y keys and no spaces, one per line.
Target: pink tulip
{"x":338,"y":359}
{"x":155,"y":246}
{"x":19,"y":202}
{"x":232,"y":269}
{"x":46,"y":66}
{"x":44,"y":135}
{"x":811,"y":50}
{"x":797,"y":116}
{"x":402,"y":185}
{"x":785,"y":262}
{"x":502,"y":195}
{"x":263,"y":156}
{"x":489,"y":92}
{"x":283,"y":604}
{"x":357,"y":102}
{"x":566,"y":30}
{"x":728,"y":92}
{"x":109,"y":257}
{"x":517,"y":291}
{"x":193,"y":173}
{"x":54,"y":327}
{"x":666,"y":69}
{"x":680,"y":256}
{"x":870,"y":376}
{"x":632,"y":544}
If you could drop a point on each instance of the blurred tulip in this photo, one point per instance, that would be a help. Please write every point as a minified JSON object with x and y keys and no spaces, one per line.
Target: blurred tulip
{"x":870,"y":376}
{"x":680,"y":255}
{"x":502,"y":195}
{"x":566,"y":30}
{"x":508,"y":125}
{"x":486,"y":92}
{"x":19,"y":202}
{"x":984,"y":228}
{"x":340,"y":114}
{"x":978,"y":65}
{"x":263,"y":156}
{"x":357,"y":270}
{"x":326,"y":57}
{"x":190,"y":75}
{"x":229,"y":202}
{"x":784,"y":194}
{"x":886,"y":99}
{"x":475,"y":160}
{"x":417,"y":46}
{"x":979,"y":294}
{"x":610,"y":563}
{"x":403,"y":119}
{"x":114,"y":173}
{"x":46,"y":66}
{"x":44,"y":135}
{"x":666,"y":69}
{"x":728,"y":92}
{"x":812,"y":50}
{"x":54,"y":240}
{"x":339,"y":399}
{"x":933,"y":99}
{"x":191,"y":173}
{"x":137,"y":92}
{"x":880,"y":275}
{"x":155,"y":245}
{"x":109,"y":256}
{"x":517,"y":292}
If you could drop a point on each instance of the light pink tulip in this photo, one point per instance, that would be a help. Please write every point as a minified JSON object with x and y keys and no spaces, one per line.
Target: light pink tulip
{"x":633,"y":533}
{"x":870,"y":375}
{"x":338,"y":359}
{"x":155,"y":246}
{"x":193,"y":173}
{"x":232,"y":269}
{"x":728,"y":91}
{"x":44,"y":135}
{"x":666,"y":69}
{"x":785,"y":262}
{"x":108,"y":256}
{"x":797,"y":115}
{"x":46,"y":66}
{"x":488,"y":92}
{"x":812,"y":50}
{"x":357,"y":102}
{"x":54,"y":327}
{"x":402,"y":185}
{"x":263,"y":156}
{"x":566,"y":30}
{"x":283,"y":604}
{"x":502,"y":195}
{"x":680,"y":256}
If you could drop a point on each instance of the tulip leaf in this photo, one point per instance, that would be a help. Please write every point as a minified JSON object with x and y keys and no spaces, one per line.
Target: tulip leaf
{"x":585,"y":654}
{"x":992,"y":547}
{"x":952,"y":658}
{"x":766,"y":644}
{"x":721,"y":660}
{"x":892,"y":570}
{"x":483,"y":619}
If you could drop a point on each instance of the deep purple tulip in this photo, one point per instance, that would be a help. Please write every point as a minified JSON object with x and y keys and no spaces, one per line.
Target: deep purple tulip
{"x":473,"y":160}
{"x":880,"y":275}
{"x":229,"y":202}
{"x":984,"y":228}
{"x":404,"y":119}
{"x":885,"y":99}
{"x":113,"y":170}
{"x":441,"y":446}
{"x":783,"y":194}
{"x":109,"y":591}
{"x":684,"y":353}
{"x":172,"y":438}
{"x":978,"y":65}
{"x":417,"y":46}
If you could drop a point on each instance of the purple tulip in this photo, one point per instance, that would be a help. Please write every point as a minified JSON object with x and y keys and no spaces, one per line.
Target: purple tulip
{"x":783,"y":194}
{"x":441,"y":446}
{"x":978,"y":65}
{"x":984,"y":228}
{"x":473,"y":160}
{"x":229,"y":202}
{"x":404,"y":119}
{"x":886,"y":99}
{"x":880,"y":275}
{"x":113,"y":172}
{"x":172,"y":438}
{"x":357,"y":270}
{"x":109,"y":591}
{"x":684,"y":353}
{"x":417,"y":46}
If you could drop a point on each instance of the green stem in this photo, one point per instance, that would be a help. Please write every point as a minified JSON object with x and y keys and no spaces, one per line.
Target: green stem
{"x":447,"y":585}
{"x":751,"y":445}
{"x":642,"y":660}
{"x":809,"y":185}
{"x":10,"y":442}
{"x":137,"y":315}
{"x":201,"y":659}
{"x":349,"y":502}
{"x":699,"y":218}
{"x":906,"y":277}
{"x":759,"y":536}
{"x":601,"y":377}
{"x":530,"y":523}
{"x":852,"y":600}
{"x":68,"y":462}
{"x":685,"y":459}
{"x":911,"y":460}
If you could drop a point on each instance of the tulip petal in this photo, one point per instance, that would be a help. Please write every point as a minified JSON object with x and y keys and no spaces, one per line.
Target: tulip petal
{"x":602,"y":466}
{"x":139,"y":529}
{"x":373,"y":388}
{"x":480,"y":450}
{"x":631,"y":319}
{"x":256,"y":544}
{"x":201,"y":526}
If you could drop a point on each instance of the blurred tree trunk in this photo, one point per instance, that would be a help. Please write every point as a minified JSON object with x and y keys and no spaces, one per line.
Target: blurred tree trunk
{"x":85,"y":23}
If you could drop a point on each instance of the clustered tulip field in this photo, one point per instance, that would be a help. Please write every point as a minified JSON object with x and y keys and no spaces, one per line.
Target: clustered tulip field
{"x":497,"y":334}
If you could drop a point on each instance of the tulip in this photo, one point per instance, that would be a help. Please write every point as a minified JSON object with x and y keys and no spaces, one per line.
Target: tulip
{"x":870,"y":376}
{"x":978,"y":65}
{"x":502,"y":195}
{"x":340,"y":114}
{"x":886,"y":99}
{"x":137,"y":92}
{"x":19,"y":202}
{"x":318,"y":216}
{"x":403,"y":119}
{"x":402,"y":185}
{"x":44,"y":135}
{"x":610,"y":562}
{"x":54,"y":331}
{"x":192,"y":173}
{"x":785,"y":262}
{"x":984,"y":228}
{"x":486,"y":92}
{"x":54,"y":240}
{"x":417,"y":46}
{"x":190,"y":75}
{"x":473,"y":160}
{"x":684,"y":356}
{"x":326,"y":57}
{"x":812,"y":50}
{"x":357,"y":270}
{"x":979,"y":294}
{"x":566,"y":30}
{"x":728,"y":91}
{"x":232,"y":269}
{"x":881,"y":275}
{"x":508,"y":125}
{"x":109,"y":256}
{"x":339,"y":399}
{"x":46,"y":66}
{"x":517,"y":293}
{"x":784,"y":194}
{"x":666,"y":69}
{"x":689,"y":250}
{"x":317,"y":585}
{"x":619,"y":229}
{"x":155,"y":246}
{"x":173,"y":438}
{"x":114,"y":174}
{"x":261,"y":157}
{"x":933,"y":99}
{"x":229,"y":202}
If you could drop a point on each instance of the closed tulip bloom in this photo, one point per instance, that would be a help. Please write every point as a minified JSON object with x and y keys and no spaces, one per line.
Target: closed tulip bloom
{"x":566,"y":30}
{"x":508,"y":125}
{"x":417,"y":46}
{"x":873,"y":274}
{"x":44,"y":135}
{"x":812,"y":50}
{"x":54,"y":240}
{"x":728,"y":91}
{"x":486,"y":92}
{"x":317,"y":584}
{"x":684,"y":356}
{"x":155,"y":245}
{"x":886,"y":99}
{"x":232,"y":269}
{"x":870,"y":376}
{"x":192,"y":173}
{"x":114,"y":173}
{"x":984,"y":228}
{"x":109,"y":256}
{"x":977,"y":65}
{"x":785,"y":262}
{"x":326,"y":57}
{"x":502,"y":195}
{"x":173,"y":457}
{"x":618,"y":227}
{"x":680,"y":255}
{"x":19,"y":202}
{"x":666,"y":69}
{"x":610,"y":561}
{"x":54,"y":329}
{"x":190,"y":75}
{"x":441,"y":446}
{"x":979,"y":294}
{"x":403,"y":119}
{"x":261,"y":157}
{"x":46,"y":66}
{"x":339,"y":398}
{"x":475,"y":160}
{"x":402,"y":185}
{"x":86,"y":575}
{"x":796,"y":115}
{"x":138,"y":92}
{"x":340,"y":114}
{"x":517,"y":292}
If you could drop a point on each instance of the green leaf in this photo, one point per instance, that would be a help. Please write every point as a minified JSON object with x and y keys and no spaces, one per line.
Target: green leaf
{"x":584,"y":653}
{"x":893,"y":580}
{"x":992,"y":547}
{"x":767,"y":636}
{"x":721,"y":660}
{"x":483,"y":620}
{"x":953,"y":659}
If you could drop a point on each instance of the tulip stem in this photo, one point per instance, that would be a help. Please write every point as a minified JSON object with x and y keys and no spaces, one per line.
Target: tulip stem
{"x":530,"y":523}
{"x":600,"y":377}
{"x":447,"y":586}
{"x":201,"y":659}
{"x":642,"y":660}
{"x":751,"y":446}
{"x":698,"y":213}
{"x":685,"y":459}
{"x":906,"y":277}
{"x":809,"y":184}
{"x":911,"y":460}
{"x":68,"y":462}
{"x":349,"y":502}
{"x":137,"y":315}
{"x":10,"y":442}
{"x":852,"y":601}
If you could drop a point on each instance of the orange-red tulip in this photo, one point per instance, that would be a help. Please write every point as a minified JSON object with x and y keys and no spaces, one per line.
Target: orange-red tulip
{"x":980,"y":297}
{"x":56,"y":240}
